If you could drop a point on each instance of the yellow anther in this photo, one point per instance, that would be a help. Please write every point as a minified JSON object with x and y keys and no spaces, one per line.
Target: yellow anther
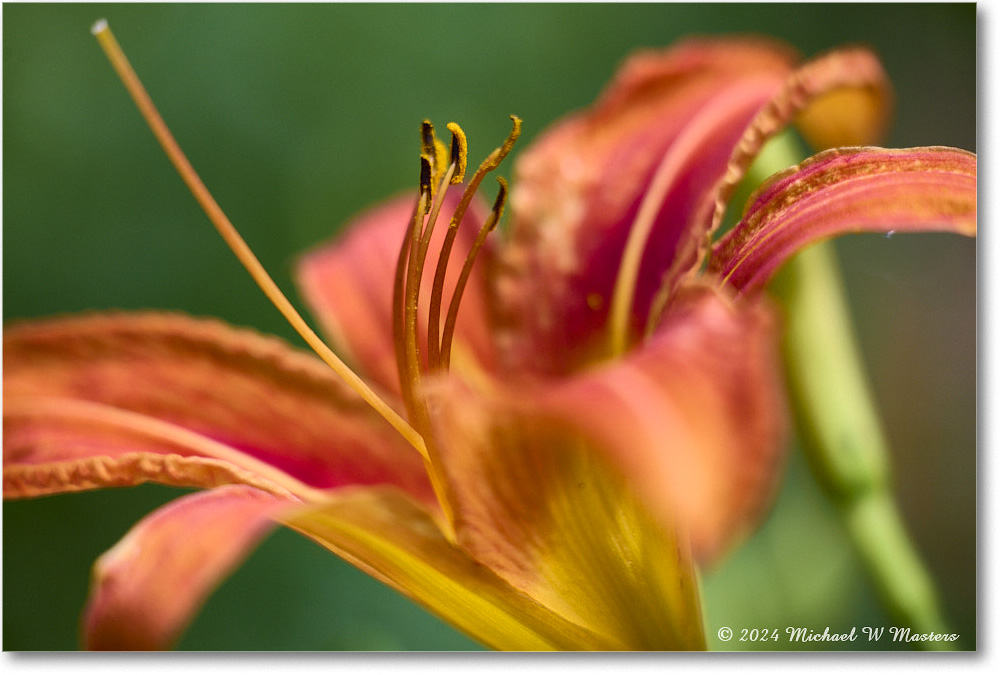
{"x":459,"y":152}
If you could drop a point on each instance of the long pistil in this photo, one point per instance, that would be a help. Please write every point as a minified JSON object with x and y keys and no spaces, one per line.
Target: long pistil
{"x":236,"y":242}
{"x":411,"y":298}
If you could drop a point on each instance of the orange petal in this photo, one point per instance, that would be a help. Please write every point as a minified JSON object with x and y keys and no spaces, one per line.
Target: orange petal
{"x":694,"y":421}
{"x":817,"y":96}
{"x":394,"y":539}
{"x":146,"y":589}
{"x":537,"y":505}
{"x":55,"y":445}
{"x":168,"y":384}
{"x":695,"y":418}
{"x":348,"y":283}
{"x":847,"y":190}
{"x":849,"y":99}
{"x":678,"y":127}
{"x":583,"y":492}
{"x":669,"y":119}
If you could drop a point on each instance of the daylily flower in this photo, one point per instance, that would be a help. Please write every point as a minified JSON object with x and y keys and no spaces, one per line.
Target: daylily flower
{"x":544,"y":468}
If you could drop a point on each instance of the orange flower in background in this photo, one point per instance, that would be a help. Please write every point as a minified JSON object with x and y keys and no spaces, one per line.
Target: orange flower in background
{"x":544,"y":468}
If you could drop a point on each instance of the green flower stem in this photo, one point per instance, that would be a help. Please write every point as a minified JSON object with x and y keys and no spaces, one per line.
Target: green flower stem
{"x":843,"y":439}
{"x":841,"y":434}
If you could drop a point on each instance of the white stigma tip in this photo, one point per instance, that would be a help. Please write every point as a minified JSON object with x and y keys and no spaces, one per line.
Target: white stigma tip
{"x":99,"y":26}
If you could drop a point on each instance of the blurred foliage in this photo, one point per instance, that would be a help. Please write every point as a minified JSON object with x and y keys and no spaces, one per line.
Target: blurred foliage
{"x":298,"y":116}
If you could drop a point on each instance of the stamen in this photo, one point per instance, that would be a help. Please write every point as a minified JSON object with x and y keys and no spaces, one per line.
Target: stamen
{"x":456,"y":298}
{"x":439,"y":187}
{"x":236,"y":242}
{"x":410,"y":345}
{"x":405,"y":296}
{"x":456,"y":172}
{"x":491,"y":162}
{"x":415,"y":267}
{"x":398,"y":299}
{"x":425,"y":239}
{"x":437,"y":291}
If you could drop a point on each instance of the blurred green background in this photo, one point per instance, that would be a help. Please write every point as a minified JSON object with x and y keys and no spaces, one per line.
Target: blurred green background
{"x":299,"y":116}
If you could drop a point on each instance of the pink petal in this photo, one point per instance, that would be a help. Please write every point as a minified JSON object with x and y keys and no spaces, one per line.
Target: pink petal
{"x":148,"y":587}
{"x":172,"y":385}
{"x":848,"y":190}
{"x":348,"y":283}
{"x":678,"y":127}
